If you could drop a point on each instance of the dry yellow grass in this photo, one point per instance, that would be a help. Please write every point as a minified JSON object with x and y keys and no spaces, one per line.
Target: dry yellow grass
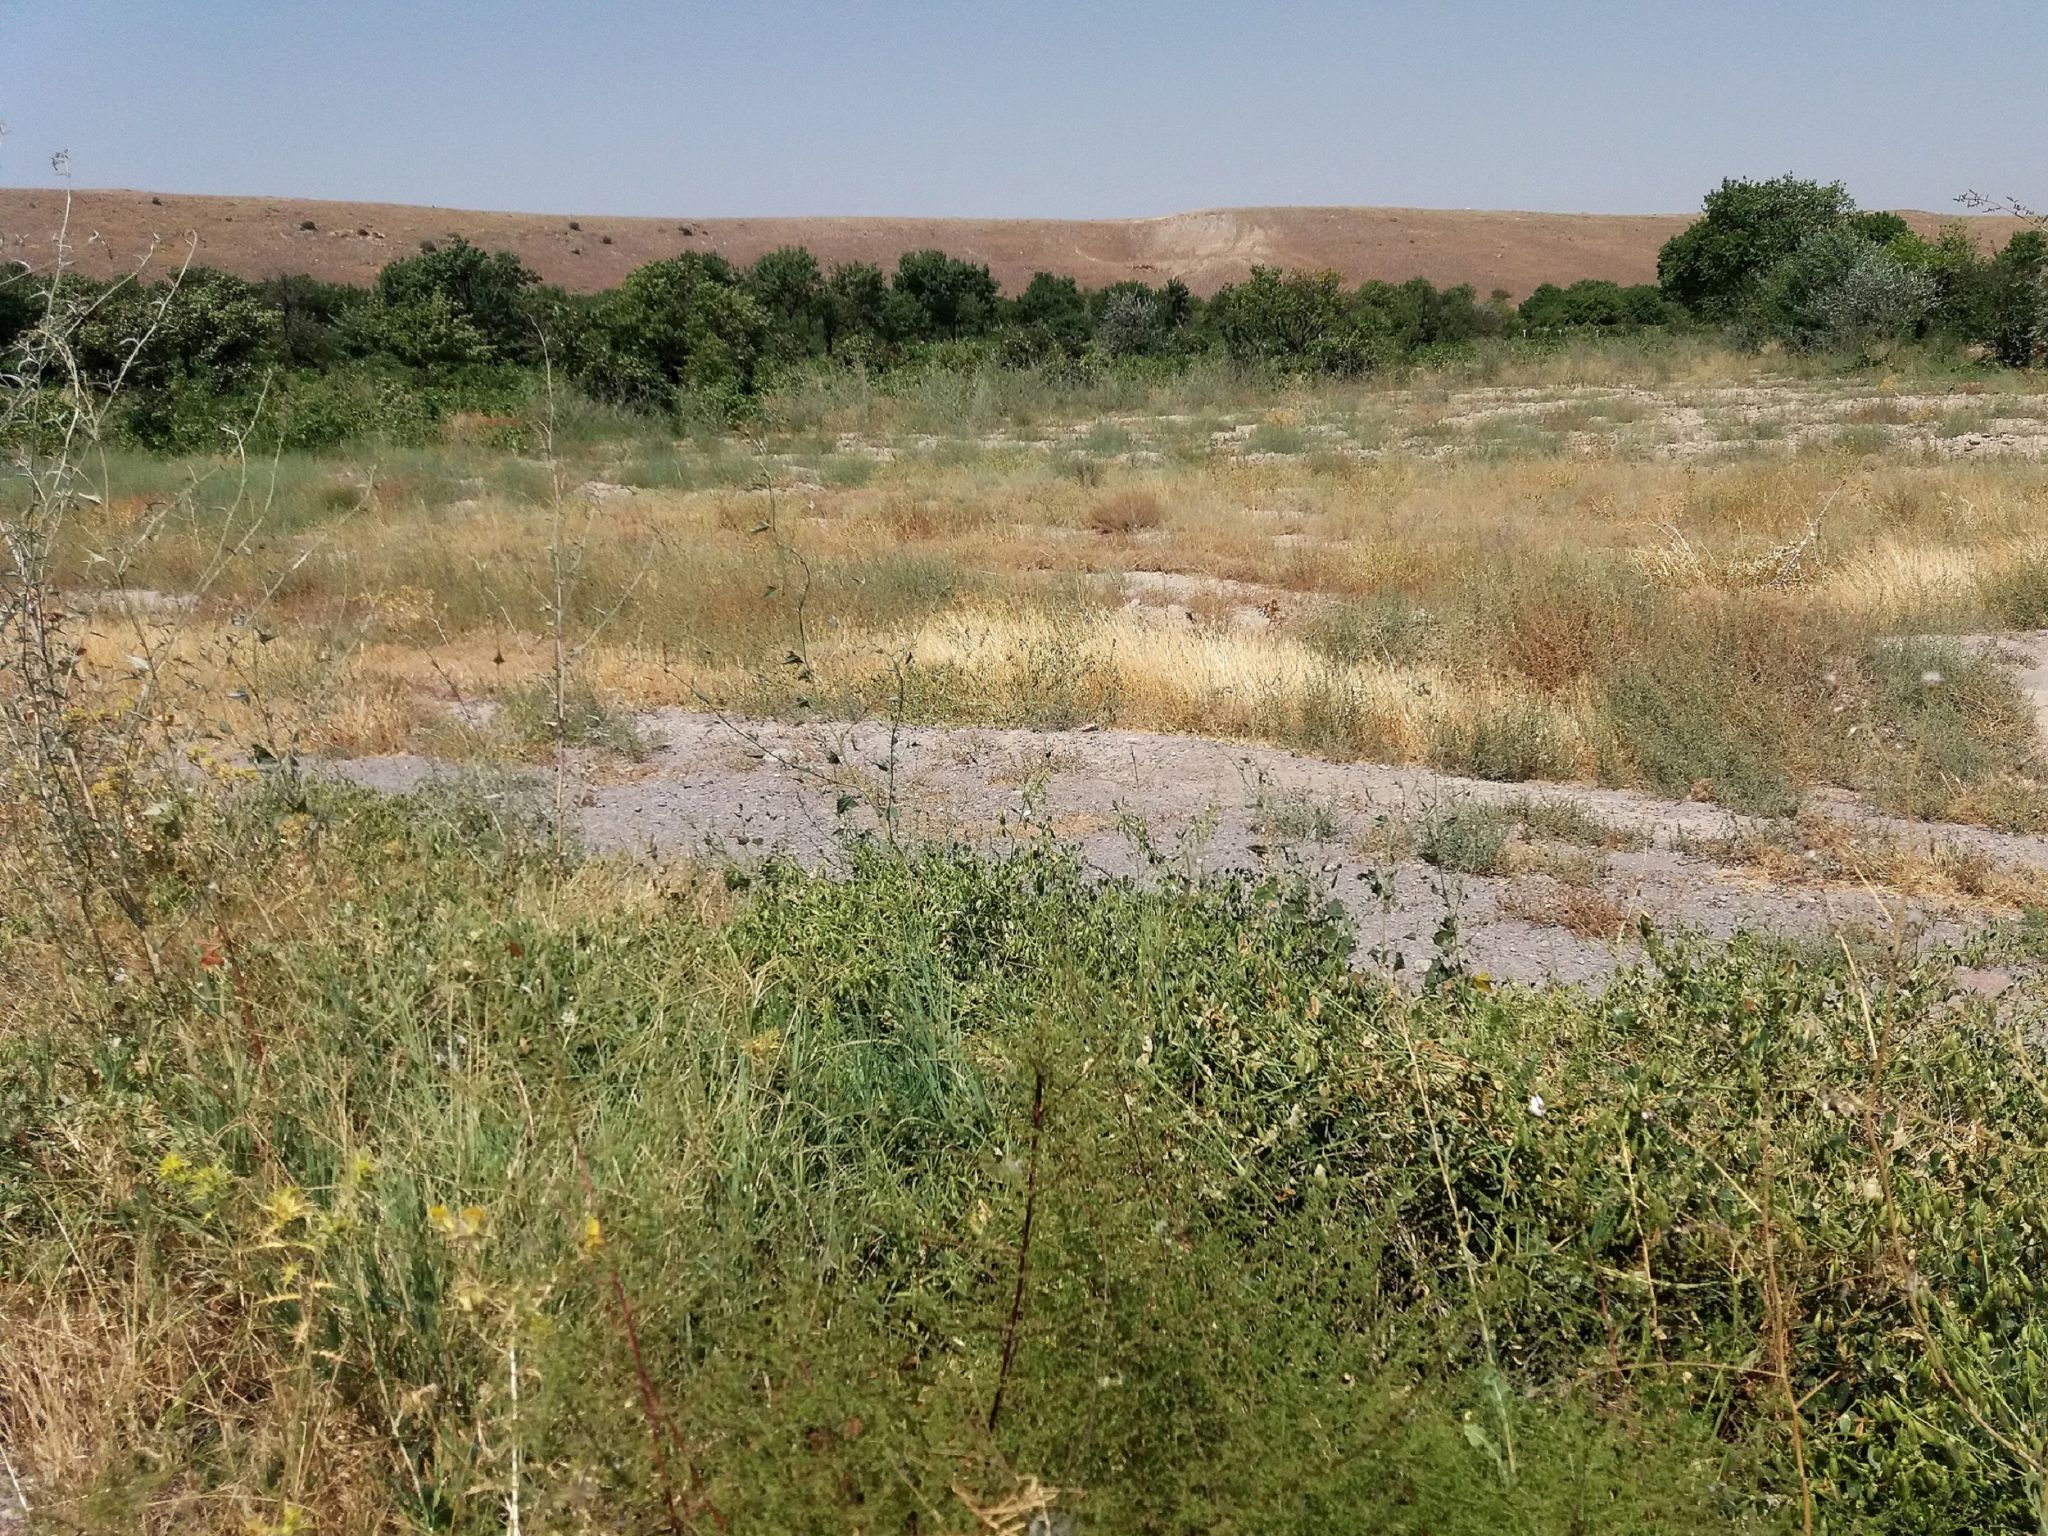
{"x":1127,"y":511}
{"x":1447,"y":604}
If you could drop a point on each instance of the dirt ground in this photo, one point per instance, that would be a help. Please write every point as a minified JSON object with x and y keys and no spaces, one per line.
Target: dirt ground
{"x":258,"y":237}
{"x":1543,"y":908}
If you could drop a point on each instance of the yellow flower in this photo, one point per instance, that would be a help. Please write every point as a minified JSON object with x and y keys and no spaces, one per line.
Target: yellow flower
{"x":469,"y":1222}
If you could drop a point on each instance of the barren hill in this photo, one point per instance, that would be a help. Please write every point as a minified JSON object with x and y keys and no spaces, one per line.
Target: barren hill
{"x":348,"y":242}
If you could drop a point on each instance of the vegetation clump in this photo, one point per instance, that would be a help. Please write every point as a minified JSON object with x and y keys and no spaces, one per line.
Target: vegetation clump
{"x":925,"y":1186}
{"x":456,"y":329}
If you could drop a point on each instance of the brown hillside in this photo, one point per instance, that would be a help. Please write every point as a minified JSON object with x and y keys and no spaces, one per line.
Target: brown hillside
{"x":348,"y":242}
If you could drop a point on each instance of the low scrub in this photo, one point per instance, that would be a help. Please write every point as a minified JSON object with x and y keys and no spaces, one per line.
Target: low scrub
{"x":1130,"y":510}
{"x":428,"y":1173}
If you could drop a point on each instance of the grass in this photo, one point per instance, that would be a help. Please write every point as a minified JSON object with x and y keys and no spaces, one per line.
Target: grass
{"x":1296,"y":816}
{"x":950,"y":1185}
{"x":536,"y":720}
{"x":374,"y":1163}
{"x":1466,"y":598}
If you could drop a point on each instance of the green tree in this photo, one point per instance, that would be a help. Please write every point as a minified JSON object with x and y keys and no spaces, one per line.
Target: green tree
{"x":1879,"y":302}
{"x":427,"y":331}
{"x":684,"y":323}
{"x":1880,"y":228}
{"x":310,"y":317}
{"x":1793,"y":297}
{"x":2016,"y":303}
{"x":1594,"y":303}
{"x":860,"y":313}
{"x":205,"y":326}
{"x":1714,"y":266}
{"x":487,"y":291}
{"x":1294,"y":320}
{"x":1130,"y":320}
{"x":790,"y":289}
{"x":1054,"y":313}
{"x":948,"y":298}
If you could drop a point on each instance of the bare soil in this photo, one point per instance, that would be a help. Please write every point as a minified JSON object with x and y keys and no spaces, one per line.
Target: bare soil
{"x":258,"y":237}
{"x":1551,"y":910}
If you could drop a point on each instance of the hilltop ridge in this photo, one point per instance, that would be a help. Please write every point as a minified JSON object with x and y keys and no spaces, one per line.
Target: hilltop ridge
{"x":258,"y":237}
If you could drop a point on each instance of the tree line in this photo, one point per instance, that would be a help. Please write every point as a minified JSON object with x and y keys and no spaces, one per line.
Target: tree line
{"x":457,"y":327}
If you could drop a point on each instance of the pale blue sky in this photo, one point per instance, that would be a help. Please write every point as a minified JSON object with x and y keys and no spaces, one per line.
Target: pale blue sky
{"x":1053,"y":108}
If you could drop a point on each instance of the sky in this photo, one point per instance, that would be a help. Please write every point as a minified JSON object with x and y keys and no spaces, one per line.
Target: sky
{"x":1046,"y":109}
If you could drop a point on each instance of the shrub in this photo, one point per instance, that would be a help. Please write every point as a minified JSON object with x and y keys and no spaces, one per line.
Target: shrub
{"x":1127,"y":510}
{"x":1292,"y":321}
{"x":1681,"y":739}
{"x":2018,"y":595}
{"x":1792,"y":294}
{"x":686,"y":323}
{"x":1948,"y":719}
{"x":1249,"y":1240}
{"x":1466,"y":839}
{"x":427,"y":330}
{"x":1509,"y":743}
{"x":204,"y":326}
{"x":1877,"y":303}
{"x":1133,"y":322}
{"x":1594,"y":303}
{"x":1744,"y":230}
{"x":486,"y":293}
{"x":529,"y":716}
{"x":1388,"y":627}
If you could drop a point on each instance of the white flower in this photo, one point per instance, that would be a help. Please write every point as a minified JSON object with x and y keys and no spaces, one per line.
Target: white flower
{"x":1536,"y":1105}
{"x":1931,"y":678}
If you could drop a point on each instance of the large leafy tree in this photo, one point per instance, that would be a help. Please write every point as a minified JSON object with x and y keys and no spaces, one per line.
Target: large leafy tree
{"x":1054,"y":311}
{"x":310,"y":317}
{"x":1714,"y":266}
{"x":1296,"y":320}
{"x":687,"y":322}
{"x":948,"y":298}
{"x":790,"y":289}
{"x":2016,"y":299}
{"x":859,"y":317}
{"x":464,"y":286}
{"x":204,"y":326}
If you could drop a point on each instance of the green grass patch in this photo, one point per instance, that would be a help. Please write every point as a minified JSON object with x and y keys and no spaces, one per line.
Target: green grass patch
{"x":908,"y":1190}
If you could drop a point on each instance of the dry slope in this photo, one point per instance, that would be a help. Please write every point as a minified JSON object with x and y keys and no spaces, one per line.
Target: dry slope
{"x":260,"y":237}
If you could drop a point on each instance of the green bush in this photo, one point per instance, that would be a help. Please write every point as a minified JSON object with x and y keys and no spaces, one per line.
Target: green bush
{"x":530,"y":716}
{"x":1466,"y":839}
{"x":1292,"y":321}
{"x":203,"y":326}
{"x":1681,"y":739}
{"x":1745,"y":229}
{"x":684,"y":323}
{"x":1837,"y":289}
{"x":2018,"y":596}
{"x":474,"y":305}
